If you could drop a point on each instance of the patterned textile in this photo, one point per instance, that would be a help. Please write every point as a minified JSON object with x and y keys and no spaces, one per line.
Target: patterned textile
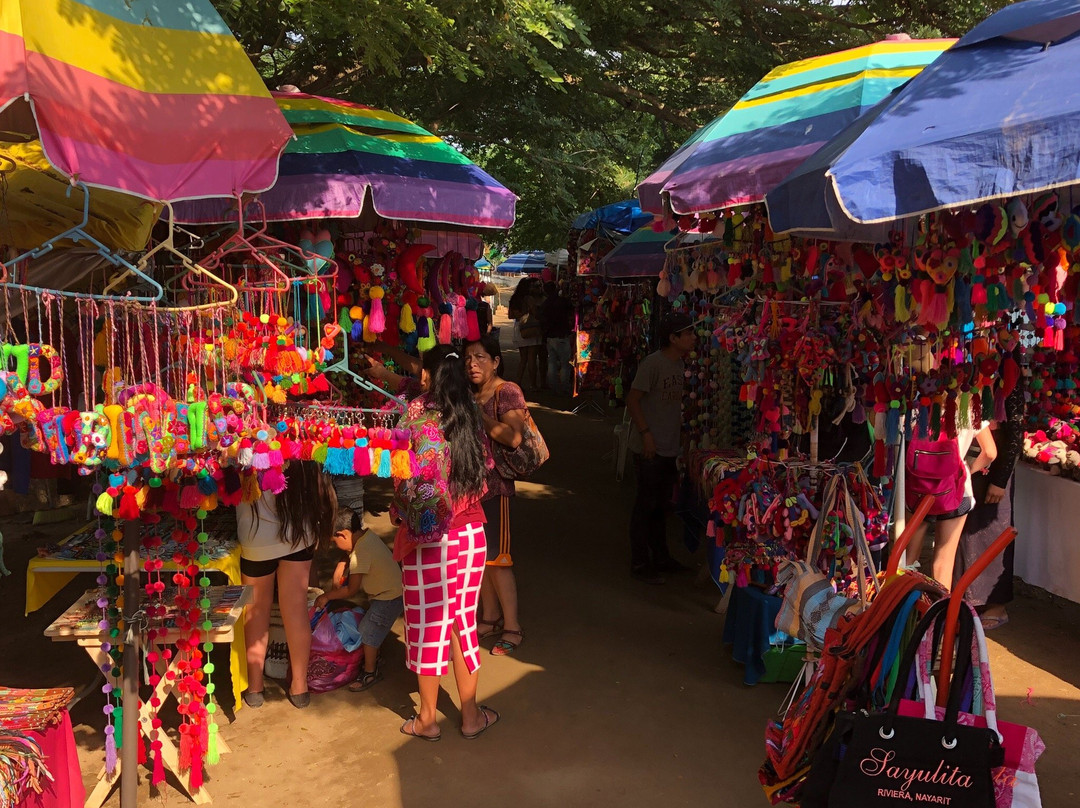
{"x":422,"y":503}
{"x":442,"y":588}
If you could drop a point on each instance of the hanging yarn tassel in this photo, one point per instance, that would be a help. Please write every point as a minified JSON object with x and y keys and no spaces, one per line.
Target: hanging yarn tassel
{"x":987,"y":403}
{"x":206,"y":483}
{"x":110,"y":751}
{"x":459,"y":318}
{"x":950,"y":415}
{"x":250,"y":490}
{"x":999,"y":406}
{"x":362,"y":458}
{"x":880,"y":455}
{"x":190,"y":497}
{"x":129,"y":506}
{"x":231,"y":487}
{"x":246,"y":454}
{"x":141,"y":753}
{"x":900,"y":304}
{"x":318,"y":454}
{"x":892,"y":426}
{"x":157,"y":777}
{"x":104,"y":504}
{"x":964,"y":410}
{"x":378,"y":316}
{"x":445,"y":329}
{"x":935,"y":421}
{"x":273,"y":480}
{"x":406,"y":323}
{"x":472,"y":321}
{"x":384,"y":464}
{"x":261,"y":456}
{"x":213,"y":755}
{"x":924,"y":421}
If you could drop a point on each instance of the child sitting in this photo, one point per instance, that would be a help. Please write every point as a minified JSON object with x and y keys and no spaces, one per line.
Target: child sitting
{"x":371,"y":567}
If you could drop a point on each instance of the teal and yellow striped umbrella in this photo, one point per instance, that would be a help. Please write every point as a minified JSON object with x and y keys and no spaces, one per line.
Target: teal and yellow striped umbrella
{"x":784,"y":118}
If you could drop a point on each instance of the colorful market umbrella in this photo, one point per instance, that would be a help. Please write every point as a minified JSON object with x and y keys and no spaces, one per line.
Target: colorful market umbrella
{"x":533,"y":261}
{"x":344,"y":151}
{"x":995,"y":116}
{"x":639,"y":255}
{"x":782,"y":120}
{"x":149,"y":98}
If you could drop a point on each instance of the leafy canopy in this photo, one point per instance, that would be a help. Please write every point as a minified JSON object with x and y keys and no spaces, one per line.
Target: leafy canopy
{"x":569,"y":103}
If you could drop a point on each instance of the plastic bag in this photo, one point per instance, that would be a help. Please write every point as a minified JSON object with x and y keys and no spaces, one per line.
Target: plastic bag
{"x":330,"y":665}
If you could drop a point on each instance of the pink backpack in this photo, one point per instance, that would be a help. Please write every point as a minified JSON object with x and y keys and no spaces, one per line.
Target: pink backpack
{"x":935,"y":467}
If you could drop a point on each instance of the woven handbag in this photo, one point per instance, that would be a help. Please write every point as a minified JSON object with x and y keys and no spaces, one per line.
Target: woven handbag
{"x":531,"y":453}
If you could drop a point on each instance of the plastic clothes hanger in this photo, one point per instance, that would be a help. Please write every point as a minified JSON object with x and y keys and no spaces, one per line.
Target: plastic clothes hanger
{"x":342,"y":366}
{"x":78,"y":235}
{"x":168,"y":245}
{"x":270,"y":252}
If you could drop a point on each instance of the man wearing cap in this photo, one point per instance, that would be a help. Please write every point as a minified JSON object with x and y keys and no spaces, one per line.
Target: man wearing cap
{"x":655,"y":407}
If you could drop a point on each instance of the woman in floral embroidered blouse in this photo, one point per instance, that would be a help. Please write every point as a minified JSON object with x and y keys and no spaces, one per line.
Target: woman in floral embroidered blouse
{"x":441,"y":542}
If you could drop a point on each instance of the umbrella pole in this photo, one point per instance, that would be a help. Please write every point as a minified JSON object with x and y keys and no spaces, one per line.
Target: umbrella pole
{"x":129,"y":752}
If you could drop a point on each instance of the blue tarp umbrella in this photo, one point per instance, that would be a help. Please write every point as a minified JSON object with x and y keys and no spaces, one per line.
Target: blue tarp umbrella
{"x":996,"y":115}
{"x":532,"y":261}
{"x":621,"y":217}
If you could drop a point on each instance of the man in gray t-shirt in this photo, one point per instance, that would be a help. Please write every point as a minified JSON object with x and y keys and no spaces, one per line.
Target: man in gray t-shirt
{"x":655,"y":408}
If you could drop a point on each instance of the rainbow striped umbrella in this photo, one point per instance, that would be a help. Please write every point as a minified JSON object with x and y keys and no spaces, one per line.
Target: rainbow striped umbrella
{"x":782,"y":120}
{"x":150,"y":98}
{"x":343,"y":151}
{"x":639,"y":255}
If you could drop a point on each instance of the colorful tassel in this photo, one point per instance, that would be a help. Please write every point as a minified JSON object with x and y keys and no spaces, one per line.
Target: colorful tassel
{"x":377,"y":322}
{"x":104,"y":504}
{"x":273,"y":480}
{"x":445,"y":329}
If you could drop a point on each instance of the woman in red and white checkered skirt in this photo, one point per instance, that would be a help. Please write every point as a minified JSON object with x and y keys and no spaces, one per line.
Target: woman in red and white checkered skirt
{"x":441,"y":542}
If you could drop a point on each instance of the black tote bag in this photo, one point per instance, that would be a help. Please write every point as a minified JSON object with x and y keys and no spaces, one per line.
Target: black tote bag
{"x":885,"y":760}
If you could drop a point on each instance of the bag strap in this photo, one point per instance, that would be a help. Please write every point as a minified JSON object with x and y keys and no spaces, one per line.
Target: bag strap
{"x":828,"y":503}
{"x":864,"y":560}
{"x":929,"y":622}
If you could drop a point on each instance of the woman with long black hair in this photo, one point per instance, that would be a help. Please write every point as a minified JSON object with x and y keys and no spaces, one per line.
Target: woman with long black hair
{"x":441,"y":542}
{"x":278,"y":536}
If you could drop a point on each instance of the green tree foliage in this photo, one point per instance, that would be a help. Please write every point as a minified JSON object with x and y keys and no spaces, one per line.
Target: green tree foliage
{"x":568,"y":102}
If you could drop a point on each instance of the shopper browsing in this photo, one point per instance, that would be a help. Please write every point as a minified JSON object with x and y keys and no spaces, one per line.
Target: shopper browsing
{"x":655,"y":407}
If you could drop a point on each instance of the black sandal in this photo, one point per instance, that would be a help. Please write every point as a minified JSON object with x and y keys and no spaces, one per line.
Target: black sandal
{"x":365,"y":680}
{"x":496,"y":627}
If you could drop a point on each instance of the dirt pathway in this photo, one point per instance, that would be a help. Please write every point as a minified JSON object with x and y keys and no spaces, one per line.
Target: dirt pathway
{"x":621,"y":694}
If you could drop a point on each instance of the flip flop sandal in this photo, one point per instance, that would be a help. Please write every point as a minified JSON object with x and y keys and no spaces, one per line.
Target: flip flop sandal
{"x":990,"y":623}
{"x":429,"y":738}
{"x":488,"y":722}
{"x":505,"y":647}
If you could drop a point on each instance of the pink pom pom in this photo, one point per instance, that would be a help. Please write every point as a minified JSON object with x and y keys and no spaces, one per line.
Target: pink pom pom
{"x":273,"y":480}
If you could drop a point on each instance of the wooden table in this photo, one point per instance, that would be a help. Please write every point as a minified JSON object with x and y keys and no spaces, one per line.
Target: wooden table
{"x":80,"y":624}
{"x":47,"y":575}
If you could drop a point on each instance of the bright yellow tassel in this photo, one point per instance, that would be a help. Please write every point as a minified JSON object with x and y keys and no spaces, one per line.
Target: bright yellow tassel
{"x":104,"y":504}
{"x":406,"y":322}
